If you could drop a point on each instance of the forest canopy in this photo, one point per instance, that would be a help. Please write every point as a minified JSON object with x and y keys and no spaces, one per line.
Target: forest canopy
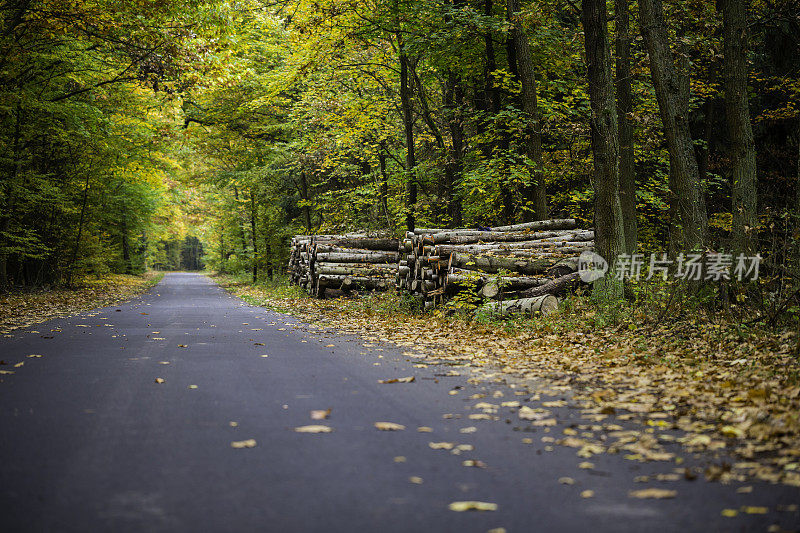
{"x":129,"y":126}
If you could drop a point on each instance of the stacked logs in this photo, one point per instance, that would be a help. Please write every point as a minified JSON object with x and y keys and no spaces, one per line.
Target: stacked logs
{"x":353,"y":261}
{"x":508,"y":263}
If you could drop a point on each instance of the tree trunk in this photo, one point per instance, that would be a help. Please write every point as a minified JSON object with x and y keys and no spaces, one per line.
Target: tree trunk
{"x":408,"y":125}
{"x":306,"y":199}
{"x":253,"y":234}
{"x":627,"y":172}
{"x":686,"y":187}
{"x":454,"y":102}
{"x":384,"y":190}
{"x":534,"y":193}
{"x":609,"y":225}
{"x":740,"y":131}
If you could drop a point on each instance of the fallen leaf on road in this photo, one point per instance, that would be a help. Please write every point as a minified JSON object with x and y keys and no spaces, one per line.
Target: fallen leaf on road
{"x":320,"y":414}
{"x":587,"y":494}
{"x":749,"y":509}
{"x":400,"y":459}
{"x":416,"y":480}
{"x":730,"y":513}
{"x":472,"y":506}
{"x":425,"y":429}
{"x":160,"y":380}
{"x":249,"y":443}
{"x":389,"y":426}
{"x":441,"y":445}
{"x":258,"y":344}
{"x":471,"y":429}
{"x":265,"y":355}
{"x":313,"y":429}
{"x":566,"y":481}
{"x":586,"y":465}
{"x":192,"y":386}
{"x":473,"y":463}
{"x":19,"y":364}
{"x":233,"y":424}
{"x":409,"y":379}
{"x":163,"y":362}
{"x":745,"y":490}
{"x":34,"y":355}
{"x":657,"y":494}
{"x":183,"y":346}
{"x":330,"y":346}
{"x":6,"y":371}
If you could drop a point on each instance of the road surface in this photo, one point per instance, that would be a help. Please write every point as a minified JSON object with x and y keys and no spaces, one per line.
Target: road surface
{"x":90,"y":442}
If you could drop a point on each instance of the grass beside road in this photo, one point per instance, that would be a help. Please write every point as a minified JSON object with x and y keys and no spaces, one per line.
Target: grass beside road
{"x":690,"y":381}
{"x":19,"y":309}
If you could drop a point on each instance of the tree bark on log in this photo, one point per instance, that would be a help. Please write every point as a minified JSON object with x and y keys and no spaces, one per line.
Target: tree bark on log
{"x":556,"y":223}
{"x":545,"y":305}
{"x":492,"y":264}
{"x":373,"y":257}
{"x":556,"y":287}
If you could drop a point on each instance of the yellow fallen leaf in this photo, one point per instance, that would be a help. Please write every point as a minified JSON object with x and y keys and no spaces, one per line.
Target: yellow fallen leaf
{"x":330,"y":346}
{"x":6,"y":371}
{"x":587,"y":494}
{"x":566,"y":481}
{"x":265,"y":355}
{"x":34,"y":355}
{"x":730,"y":513}
{"x":389,"y":426}
{"x":19,"y":364}
{"x":183,"y":346}
{"x":441,"y":445}
{"x":653,"y":493}
{"x":750,"y":509}
{"x":425,"y":429}
{"x":745,"y":490}
{"x":233,"y":424}
{"x":320,"y":414}
{"x":192,"y":386}
{"x":400,"y":459}
{"x":473,"y":463}
{"x":160,"y":380}
{"x":249,"y":443}
{"x":471,"y":429}
{"x":497,"y":530}
{"x":416,"y":480}
{"x":409,"y":379}
{"x":472,"y":506}
{"x":313,"y":429}
{"x":586,"y":465}
{"x":163,"y":362}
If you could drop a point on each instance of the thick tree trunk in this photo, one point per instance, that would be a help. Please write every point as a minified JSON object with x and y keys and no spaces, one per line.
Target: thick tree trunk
{"x":534,"y":193}
{"x":609,"y":225}
{"x":740,"y":131}
{"x":686,"y":187}
{"x":627,"y":173}
{"x":408,"y":126}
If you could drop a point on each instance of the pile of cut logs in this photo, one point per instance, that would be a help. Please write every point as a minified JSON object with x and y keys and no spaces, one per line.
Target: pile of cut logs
{"x":518,"y":268}
{"x":523,"y":266}
{"x":353,"y":261}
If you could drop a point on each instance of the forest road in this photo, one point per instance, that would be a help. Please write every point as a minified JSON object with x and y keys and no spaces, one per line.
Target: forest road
{"x":89,"y":441}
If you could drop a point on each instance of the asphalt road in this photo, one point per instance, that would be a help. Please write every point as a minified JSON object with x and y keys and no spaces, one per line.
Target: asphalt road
{"x":90,"y":442}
